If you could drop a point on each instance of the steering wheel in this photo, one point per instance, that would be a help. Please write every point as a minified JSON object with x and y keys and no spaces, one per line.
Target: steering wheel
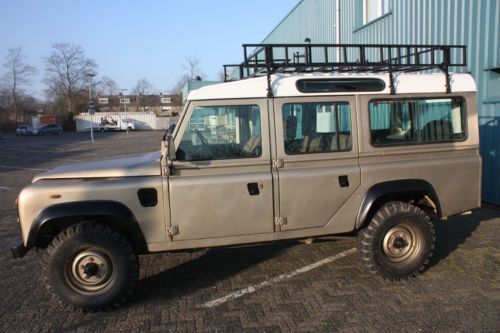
{"x":201,"y":137}
{"x":205,"y":149}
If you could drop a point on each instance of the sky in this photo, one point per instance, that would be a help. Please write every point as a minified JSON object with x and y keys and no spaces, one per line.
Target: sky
{"x":131,"y":40}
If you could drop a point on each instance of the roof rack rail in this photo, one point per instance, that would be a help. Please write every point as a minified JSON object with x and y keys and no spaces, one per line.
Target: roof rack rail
{"x":267,"y":59}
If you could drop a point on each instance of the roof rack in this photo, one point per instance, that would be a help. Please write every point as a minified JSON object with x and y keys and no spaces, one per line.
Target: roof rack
{"x":267,"y":59}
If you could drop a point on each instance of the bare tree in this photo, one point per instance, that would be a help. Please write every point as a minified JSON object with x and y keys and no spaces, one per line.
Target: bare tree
{"x":19,"y":74}
{"x":193,"y":72}
{"x":4,"y":108}
{"x":179,"y":85}
{"x":142,"y":88}
{"x":66,"y":72}
{"x":107,"y":86}
{"x":192,"y":66}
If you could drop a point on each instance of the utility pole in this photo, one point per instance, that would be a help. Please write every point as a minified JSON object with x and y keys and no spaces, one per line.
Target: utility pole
{"x":91,"y":106}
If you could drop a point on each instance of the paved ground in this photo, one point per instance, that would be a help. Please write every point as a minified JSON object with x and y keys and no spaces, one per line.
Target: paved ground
{"x":460,"y":291}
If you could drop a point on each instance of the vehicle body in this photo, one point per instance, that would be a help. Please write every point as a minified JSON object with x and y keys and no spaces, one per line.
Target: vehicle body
{"x":260,"y":166}
{"x":169,"y":111}
{"x":24,"y":130}
{"x":48,"y":129}
{"x":118,"y":123}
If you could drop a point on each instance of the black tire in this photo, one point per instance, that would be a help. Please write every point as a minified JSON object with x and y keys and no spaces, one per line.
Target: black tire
{"x":398,"y":242}
{"x":90,"y":266}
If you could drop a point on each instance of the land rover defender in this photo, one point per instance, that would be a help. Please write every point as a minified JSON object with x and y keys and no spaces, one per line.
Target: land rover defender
{"x":295,"y":148}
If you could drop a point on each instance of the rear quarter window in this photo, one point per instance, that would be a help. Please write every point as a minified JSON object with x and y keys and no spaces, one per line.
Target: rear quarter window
{"x":396,"y":122}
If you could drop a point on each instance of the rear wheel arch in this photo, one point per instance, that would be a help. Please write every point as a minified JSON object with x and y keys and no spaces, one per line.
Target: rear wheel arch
{"x":54,"y":219}
{"x":402,"y":190}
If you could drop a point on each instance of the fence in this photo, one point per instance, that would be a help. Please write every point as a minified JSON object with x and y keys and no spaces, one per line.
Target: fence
{"x":143,"y":121}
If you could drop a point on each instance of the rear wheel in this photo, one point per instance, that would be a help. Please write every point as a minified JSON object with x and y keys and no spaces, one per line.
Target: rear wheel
{"x":91,"y":267}
{"x":398,"y":242}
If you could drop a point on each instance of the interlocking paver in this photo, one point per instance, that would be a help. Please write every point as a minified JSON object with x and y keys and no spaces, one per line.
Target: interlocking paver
{"x":459,"y":292}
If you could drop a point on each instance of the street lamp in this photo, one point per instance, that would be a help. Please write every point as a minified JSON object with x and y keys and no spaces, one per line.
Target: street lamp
{"x":91,"y":105}
{"x":124,"y":99}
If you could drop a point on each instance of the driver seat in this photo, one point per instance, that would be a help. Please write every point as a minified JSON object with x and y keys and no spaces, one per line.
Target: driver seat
{"x":250,"y":147}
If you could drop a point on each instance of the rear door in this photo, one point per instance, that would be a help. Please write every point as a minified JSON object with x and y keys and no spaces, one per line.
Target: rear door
{"x":316,"y":159}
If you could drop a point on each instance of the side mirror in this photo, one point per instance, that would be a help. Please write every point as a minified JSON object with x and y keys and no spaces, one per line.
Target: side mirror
{"x":170,"y":148}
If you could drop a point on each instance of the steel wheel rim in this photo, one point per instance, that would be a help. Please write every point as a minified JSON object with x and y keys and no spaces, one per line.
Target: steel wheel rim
{"x":90,"y":271}
{"x":402,"y":243}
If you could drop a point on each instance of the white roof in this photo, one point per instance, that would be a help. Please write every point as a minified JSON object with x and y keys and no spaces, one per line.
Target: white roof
{"x":283,"y":85}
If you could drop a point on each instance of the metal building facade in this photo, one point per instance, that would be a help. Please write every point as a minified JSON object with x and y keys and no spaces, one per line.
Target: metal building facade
{"x":475,"y":23}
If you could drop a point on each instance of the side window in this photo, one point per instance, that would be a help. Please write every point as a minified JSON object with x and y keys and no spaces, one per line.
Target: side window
{"x":221,"y":132}
{"x":318,"y":127}
{"x":417,"y":121}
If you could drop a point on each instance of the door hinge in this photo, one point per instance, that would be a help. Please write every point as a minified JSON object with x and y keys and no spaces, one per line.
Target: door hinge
{"x":278,"y":164}
{"x":173,"y":230}
{"x":280,"y":220}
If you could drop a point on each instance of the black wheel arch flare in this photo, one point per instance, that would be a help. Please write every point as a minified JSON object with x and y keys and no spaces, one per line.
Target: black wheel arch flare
{"x":394,"y":188}
{"x":61,"y":216}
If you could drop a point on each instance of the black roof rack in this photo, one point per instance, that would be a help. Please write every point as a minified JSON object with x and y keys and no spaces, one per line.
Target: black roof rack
{"x":267,"y":59}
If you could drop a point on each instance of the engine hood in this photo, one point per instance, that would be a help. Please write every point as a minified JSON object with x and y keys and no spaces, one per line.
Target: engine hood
{"x":124,"y":166}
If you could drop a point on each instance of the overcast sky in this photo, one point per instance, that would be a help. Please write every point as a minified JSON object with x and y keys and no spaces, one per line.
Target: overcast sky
{"x":130,"y":40}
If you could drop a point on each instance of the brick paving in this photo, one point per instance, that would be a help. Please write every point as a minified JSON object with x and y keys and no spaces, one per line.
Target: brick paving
{"x":460,"y":292}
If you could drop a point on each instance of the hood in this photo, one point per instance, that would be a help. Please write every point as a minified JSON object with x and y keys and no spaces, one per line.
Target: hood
{"x":124,"y":166}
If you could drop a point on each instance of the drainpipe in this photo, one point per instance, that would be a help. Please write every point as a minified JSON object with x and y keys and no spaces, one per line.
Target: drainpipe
{"x":337,"y":27}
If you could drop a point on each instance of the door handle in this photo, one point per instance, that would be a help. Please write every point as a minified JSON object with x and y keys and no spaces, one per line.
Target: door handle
{"x":253,"y":188}
{"x":344,"y":181}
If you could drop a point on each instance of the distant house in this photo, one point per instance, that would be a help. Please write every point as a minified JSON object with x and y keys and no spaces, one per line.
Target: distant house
{"x":161,"y":104}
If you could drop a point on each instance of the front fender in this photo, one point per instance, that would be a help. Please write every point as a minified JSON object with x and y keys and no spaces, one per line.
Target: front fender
{"x":61,"y":216}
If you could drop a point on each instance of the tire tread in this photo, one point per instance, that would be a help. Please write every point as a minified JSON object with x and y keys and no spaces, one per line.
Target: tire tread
{"x":366,"y":237}
{"x":98,"y":230}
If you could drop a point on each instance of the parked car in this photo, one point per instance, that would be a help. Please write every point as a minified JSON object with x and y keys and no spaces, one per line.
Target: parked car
{"x":24,"y":130}
{"x":280,"y":156}
{"x":49,"y":129}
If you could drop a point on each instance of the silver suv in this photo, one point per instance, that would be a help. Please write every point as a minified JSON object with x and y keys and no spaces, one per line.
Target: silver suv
{"x":266,"y":158}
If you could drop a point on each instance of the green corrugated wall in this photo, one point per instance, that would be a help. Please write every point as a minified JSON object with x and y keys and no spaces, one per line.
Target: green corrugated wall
{"x":475,"y":23}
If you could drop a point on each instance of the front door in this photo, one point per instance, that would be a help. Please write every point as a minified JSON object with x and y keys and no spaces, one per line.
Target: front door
{"x":317,"y":154}
{"x":221,"y":185}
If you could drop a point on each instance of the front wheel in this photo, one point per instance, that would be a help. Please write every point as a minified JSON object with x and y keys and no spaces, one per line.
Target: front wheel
{"x":398,"y":242}
{"x":90,"y":266}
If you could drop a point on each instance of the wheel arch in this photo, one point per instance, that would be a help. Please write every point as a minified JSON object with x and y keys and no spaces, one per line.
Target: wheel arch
{"x":403,"y":189}
{"x":56,"y":218}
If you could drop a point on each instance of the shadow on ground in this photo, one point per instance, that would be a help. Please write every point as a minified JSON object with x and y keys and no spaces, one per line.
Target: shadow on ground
{"x":455,"y":231}
{"x":206,"y":269}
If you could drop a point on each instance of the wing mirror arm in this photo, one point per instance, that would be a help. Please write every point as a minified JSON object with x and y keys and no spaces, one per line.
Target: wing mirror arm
{"x":170,"y":154}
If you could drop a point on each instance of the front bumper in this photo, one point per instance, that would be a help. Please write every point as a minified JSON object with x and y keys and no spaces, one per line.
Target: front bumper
{"x":19,"y":251}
